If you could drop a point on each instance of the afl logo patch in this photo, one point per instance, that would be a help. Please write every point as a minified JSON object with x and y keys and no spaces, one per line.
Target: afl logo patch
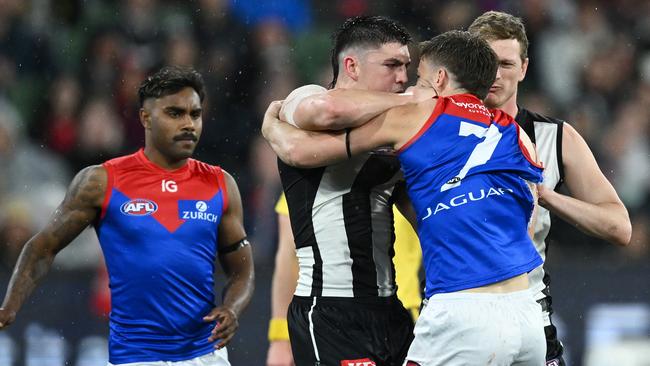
{"x":139,"y":207}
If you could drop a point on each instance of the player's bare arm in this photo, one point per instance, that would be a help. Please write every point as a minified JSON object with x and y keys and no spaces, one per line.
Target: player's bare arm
{"x":312,"y":107}
{"x":236,"y":258}
{"x":594,"y":206}
{"x":393,"y":128}
{"x":298,"y":147}
{"x":79,"y":208}
{"x":405,"y":206}
{"x":283,"y":285}
{"x":308,"y":149}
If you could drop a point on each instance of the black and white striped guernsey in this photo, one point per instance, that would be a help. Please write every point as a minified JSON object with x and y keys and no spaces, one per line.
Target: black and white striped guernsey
{"x":342,"y":222}
{"x":546,"y":133}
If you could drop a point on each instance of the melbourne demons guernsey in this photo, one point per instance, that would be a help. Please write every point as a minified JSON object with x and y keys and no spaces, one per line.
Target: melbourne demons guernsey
{"x":546,"y":134}
{"x":158,"y":230}
{"x":466,"y":173}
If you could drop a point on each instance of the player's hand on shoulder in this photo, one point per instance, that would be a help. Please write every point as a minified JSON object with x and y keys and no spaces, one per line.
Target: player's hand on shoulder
{"x":6,"y":317}
{"x":279,"y":354}
{"x":227,"y":324}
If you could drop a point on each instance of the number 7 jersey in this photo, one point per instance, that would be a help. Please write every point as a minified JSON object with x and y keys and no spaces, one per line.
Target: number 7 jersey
{"x":466,"y":172}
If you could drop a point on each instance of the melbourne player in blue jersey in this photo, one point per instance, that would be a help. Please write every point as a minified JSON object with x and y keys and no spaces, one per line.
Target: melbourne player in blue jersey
{"x":162,"y":219}
{"x":470,"y":174}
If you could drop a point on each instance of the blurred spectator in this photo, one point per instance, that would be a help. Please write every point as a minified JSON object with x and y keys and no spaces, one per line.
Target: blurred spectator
{"x":100,"y":135}
{"x":29,"y":177}
{"x":101,"y":61}
{"x":628,"y":149}
{"x":24,"y":166}
{"x":62,"y":112}
{"x":15,"y":228}
{"x":180,"y":50}
{"x":294,"y":14}
{"x":131,"y":73}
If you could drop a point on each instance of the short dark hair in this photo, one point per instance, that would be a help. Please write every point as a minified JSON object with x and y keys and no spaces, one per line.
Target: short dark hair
{"x":468,"y":57}
{"x":170,"y":80}
{"x":496,"y":26}
{"x":365,"y":31}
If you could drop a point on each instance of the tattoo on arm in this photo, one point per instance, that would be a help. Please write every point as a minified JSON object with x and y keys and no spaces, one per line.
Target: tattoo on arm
{"x":78,"y":209}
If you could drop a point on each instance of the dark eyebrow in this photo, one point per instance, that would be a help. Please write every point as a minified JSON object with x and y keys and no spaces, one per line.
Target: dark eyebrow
{"x":395,"y":61}
{"x":174,"y":108}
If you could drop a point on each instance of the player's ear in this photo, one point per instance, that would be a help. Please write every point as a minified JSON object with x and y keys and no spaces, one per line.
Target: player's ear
{"x":145,"y":118}
{"x":351,"y":67}
{"x":441,"y":79}
{"x":524,"y":68}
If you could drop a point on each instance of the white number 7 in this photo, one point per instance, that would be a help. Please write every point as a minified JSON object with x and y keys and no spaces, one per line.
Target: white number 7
{"x":481,"y":153}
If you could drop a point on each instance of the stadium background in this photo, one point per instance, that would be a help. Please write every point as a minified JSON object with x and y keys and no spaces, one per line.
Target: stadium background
{"x":69,"y":71}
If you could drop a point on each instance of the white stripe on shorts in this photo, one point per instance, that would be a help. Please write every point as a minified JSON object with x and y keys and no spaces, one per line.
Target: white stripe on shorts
{"x":311,"y":330}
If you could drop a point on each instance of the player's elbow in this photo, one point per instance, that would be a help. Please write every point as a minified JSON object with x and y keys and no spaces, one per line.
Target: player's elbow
{"x":294,"y":154}
{"x":622,"y":234}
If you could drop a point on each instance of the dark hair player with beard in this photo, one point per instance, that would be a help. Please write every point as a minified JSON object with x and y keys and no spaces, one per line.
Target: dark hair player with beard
{"x":162,"y":219}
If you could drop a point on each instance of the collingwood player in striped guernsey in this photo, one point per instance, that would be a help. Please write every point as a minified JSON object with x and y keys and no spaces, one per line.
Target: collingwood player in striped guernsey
{"x":593,"y":207}
{"x":345,"y":310}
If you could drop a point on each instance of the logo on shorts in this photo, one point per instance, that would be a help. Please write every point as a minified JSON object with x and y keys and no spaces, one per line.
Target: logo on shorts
{"x":139,"y":207}
{"x":554,"y":362}
{"x":359,"y":362}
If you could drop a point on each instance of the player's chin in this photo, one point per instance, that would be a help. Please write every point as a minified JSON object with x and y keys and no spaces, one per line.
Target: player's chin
{"x":493,"y":100}
{"x":184,"y":151}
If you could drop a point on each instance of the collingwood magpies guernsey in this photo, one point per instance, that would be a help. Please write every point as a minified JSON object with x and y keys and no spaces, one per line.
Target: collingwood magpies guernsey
{"x":342,"y":222}
{"x":466,"y":174}
{"x":158,"y":230}
{"x":546,"y":134}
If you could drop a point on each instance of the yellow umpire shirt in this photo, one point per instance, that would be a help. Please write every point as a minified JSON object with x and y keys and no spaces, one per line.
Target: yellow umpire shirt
{"x":407,"y":260}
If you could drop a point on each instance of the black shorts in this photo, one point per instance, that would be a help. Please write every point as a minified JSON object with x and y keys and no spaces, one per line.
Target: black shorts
{"x":554,"y":348}
{"x":349,"y":332}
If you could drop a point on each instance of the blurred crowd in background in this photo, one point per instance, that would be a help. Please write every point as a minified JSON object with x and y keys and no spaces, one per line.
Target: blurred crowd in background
{"x":69,"y":72}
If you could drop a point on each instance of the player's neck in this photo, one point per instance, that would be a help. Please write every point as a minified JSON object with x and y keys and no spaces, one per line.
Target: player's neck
{"x":510,"y":106}
{"x":347,"y":83}
{"x":159,"y":159}
{"x":446,"y":92}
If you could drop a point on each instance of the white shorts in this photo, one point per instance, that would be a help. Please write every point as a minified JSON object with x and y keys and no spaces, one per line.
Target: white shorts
{"x":461,"y":329}
{"x":216,"y":358}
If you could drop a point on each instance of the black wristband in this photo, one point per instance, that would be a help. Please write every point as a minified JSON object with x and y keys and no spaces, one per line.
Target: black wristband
{"x":347,"y":142}
{"x":234,"y":247}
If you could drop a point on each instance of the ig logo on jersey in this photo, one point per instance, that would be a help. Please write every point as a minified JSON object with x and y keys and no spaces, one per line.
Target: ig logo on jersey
{"x":168,"y":186}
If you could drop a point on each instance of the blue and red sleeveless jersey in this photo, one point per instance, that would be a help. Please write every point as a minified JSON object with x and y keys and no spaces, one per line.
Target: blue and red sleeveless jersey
{"x":158,"y":230}
{"x":466,"y":173}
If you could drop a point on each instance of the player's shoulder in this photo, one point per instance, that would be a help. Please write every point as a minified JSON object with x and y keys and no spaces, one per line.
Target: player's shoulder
{"x":422,"y":108}
{"x":202,"y":168}
{"x":305,"y":91}
{"x":124,"y":160}
{"x":90,"y":184}
{"x":93,"y":172}
{"x":500,"y":116}
{"x":199,"y":165}
{"x":526,"y":116}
